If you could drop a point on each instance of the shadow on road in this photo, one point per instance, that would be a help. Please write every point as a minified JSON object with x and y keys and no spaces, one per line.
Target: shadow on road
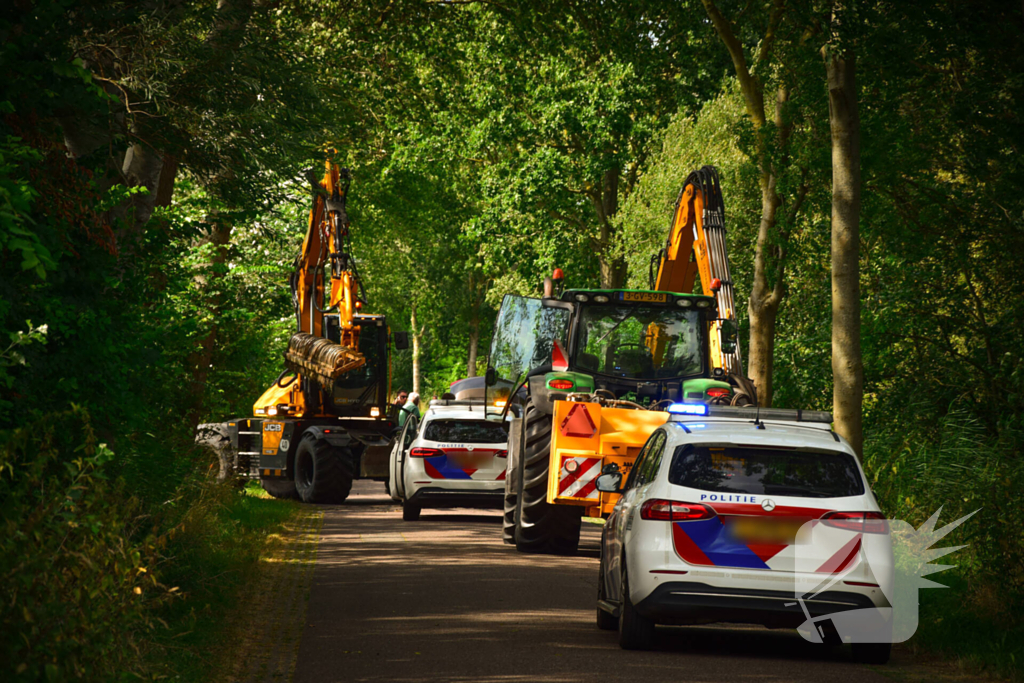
{"x":443,"y":599}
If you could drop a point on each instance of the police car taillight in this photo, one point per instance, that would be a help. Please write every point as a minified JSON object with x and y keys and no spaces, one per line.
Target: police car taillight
{"x":864,"y":522}
{"x":501,"y":454}
{"x":425,"y":452}
{"x":674,"y":511}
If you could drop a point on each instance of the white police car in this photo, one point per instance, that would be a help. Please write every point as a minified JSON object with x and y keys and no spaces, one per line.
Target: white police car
{"x":711,"y":527}
{"x":454,"y":456}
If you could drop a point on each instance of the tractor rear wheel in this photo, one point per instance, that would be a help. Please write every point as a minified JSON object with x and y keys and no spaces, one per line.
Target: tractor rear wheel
{"x":540,"y":526}
{"x":508,"y":518}
{"x":280,"y":488}
{"x":512,"y":479}
{"x":323,"y":473}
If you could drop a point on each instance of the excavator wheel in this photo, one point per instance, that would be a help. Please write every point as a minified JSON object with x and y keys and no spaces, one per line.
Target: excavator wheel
{"x":280,"y":488}
{"x":323,"y":473}
{"x":540,"y":526}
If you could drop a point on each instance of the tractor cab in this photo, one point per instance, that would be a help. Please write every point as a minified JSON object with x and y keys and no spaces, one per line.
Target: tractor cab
{"x":642,"y":346}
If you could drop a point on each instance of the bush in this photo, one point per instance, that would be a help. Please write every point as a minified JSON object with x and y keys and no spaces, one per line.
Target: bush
{"x":74,"y":557}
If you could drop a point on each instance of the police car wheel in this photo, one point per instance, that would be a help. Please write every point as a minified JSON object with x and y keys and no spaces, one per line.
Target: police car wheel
{"x":410,"y":513}
{"x":605,"y":621}
{"x":872,"y":653}
{"x":635,"y":630}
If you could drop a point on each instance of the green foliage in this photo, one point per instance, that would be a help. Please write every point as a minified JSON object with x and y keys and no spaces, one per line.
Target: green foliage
{"x":489,"y":144}
{"x":960,"y":468}
{"x":16,"y":199}
{"x":75,"y":557}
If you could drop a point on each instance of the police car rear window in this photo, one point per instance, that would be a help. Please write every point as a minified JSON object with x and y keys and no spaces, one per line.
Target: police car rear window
{"x":464,"y":431}
{"x":765,"y":471}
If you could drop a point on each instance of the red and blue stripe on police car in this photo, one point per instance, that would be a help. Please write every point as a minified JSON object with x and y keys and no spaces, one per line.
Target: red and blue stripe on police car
{"x":713,"y":541}
{"x":442,"y":466}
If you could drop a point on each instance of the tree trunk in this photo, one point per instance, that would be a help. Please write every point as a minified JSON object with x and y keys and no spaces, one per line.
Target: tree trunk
{"x":474,"y":331}
{"x":474,"y":342}
{"x":219,"y":234}
{"x":765,"y":298}
{"x":606,"y":201}
{"x":769,"y":261}
{"x":416,"y":334}
{"x":847,"y":363}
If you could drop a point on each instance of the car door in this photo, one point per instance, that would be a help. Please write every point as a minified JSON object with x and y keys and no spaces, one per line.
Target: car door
{"x":619,"y":521}
{"x":398,"y":455}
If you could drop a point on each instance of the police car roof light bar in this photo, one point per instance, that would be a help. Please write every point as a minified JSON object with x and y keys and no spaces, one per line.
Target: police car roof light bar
{"x":817,"y":417}
{"x":688,"y":409}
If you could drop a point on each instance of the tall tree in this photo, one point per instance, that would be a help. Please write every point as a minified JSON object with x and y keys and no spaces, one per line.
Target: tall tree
{"x":768,"y":108}
{"x":844,"y":122}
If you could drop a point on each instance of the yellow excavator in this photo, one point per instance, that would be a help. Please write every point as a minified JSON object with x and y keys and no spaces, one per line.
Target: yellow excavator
{"x":325,"y":420}
{"x":604,"y":368}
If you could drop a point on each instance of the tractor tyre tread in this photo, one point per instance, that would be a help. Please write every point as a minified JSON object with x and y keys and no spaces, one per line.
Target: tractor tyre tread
{"x":333,"y":472}
{"x":542,"y":527}
{"x":280,"y":488}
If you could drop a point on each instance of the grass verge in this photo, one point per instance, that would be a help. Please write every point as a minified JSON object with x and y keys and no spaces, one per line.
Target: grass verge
{"x":976,"y":635}
{"x":216,"y":558}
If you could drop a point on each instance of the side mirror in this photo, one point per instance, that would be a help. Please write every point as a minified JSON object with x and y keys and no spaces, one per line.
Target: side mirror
{"x":401,"y":340}
{"x":610,"y":483}
{"x":490,"y":377}
{"x":729,"y":334}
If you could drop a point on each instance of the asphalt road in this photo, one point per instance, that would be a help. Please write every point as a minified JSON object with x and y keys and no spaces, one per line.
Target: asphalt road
{"x":442,"y":599}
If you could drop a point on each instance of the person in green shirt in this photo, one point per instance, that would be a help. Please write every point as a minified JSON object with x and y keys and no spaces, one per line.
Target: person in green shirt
{"x":410,"y":408}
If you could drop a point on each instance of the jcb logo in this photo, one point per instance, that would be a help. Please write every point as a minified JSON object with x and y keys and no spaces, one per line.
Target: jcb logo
{"x":273,"y":427}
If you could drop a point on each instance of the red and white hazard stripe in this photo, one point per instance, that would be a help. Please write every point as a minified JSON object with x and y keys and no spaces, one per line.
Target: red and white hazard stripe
{"x":581,"y":482}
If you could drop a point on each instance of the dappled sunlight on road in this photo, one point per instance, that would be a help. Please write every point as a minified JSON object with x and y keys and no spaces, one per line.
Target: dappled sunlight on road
{"x":443,"y":599}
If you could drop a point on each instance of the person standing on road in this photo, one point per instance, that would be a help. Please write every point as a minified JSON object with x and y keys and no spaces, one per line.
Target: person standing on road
{"x":402,"y":397}
{"x":410,"y":408}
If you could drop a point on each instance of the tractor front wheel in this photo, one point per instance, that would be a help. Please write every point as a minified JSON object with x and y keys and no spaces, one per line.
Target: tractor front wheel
{"x":540,"y":526}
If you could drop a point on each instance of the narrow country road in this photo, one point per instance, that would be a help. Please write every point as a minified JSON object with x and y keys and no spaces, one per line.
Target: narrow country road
{"x":442,"y":599}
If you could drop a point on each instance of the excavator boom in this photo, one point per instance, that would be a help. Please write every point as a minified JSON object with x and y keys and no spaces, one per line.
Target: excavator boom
{"x":698,"y":228}
{"x":324,"y":245}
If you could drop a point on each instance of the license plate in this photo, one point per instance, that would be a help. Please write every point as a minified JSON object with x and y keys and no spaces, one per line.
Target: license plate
{"x":754,"y":530}
{"x":469,"y":460}
{"x":647,"y":297}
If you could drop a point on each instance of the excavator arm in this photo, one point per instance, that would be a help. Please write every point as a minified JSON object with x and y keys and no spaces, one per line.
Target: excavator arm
{"x":325,"y":257}
{"x":696,"y":243}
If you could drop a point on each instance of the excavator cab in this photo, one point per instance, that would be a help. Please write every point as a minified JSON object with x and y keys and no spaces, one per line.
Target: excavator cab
{"x":358,"y":391}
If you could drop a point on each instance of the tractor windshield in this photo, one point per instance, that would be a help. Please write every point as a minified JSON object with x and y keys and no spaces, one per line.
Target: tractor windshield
{"x":640,"y":342}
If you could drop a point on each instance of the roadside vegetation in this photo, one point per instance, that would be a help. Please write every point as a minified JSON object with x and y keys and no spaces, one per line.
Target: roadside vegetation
{"x":152,"y":200}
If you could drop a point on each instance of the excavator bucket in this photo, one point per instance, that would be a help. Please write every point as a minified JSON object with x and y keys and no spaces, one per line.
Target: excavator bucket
{"x":321,"y":358}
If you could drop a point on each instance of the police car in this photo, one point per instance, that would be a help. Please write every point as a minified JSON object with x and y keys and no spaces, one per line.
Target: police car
{"x":454,"y":456}
{"x":745,"y":516}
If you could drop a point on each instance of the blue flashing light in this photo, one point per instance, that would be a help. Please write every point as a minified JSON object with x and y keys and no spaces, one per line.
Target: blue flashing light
{"x":688,"y":409}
